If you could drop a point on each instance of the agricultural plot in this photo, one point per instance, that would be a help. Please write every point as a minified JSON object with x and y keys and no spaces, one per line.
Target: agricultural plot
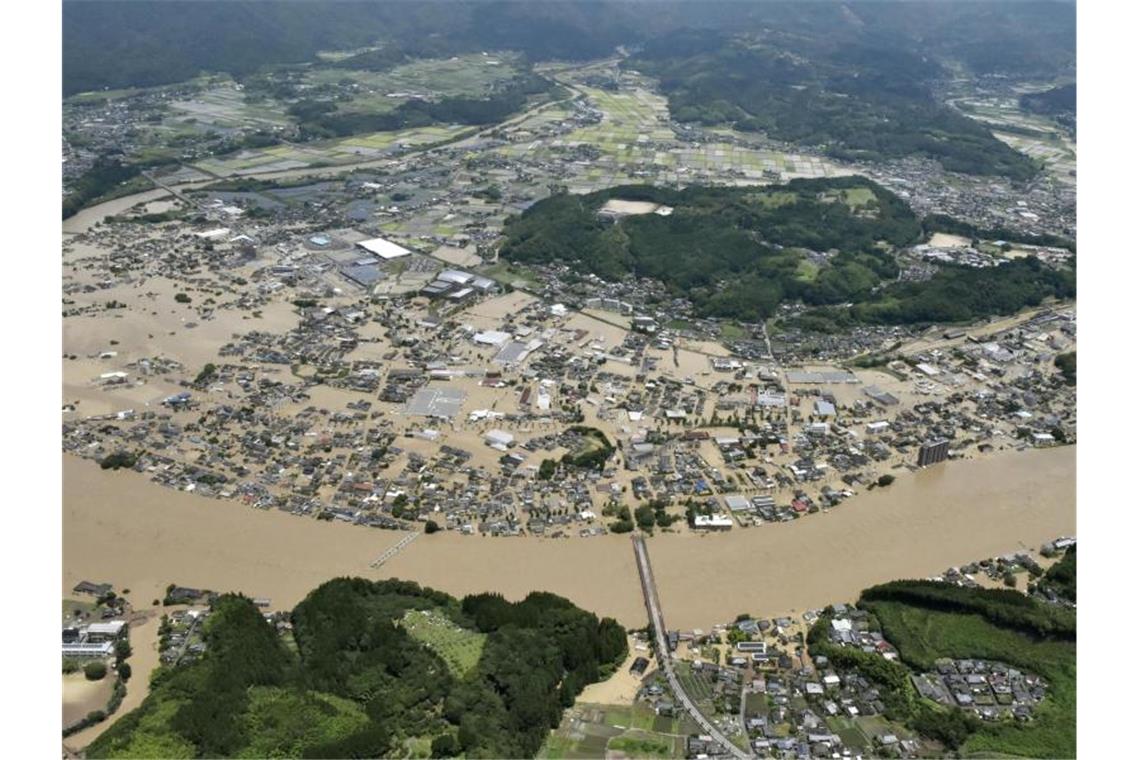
{"x":345,"y":150}
{"x":861,"y":732}
{"x":515,"y":275}
{"x":593,"y":731}
{"x":1036,"y":136}
{"x":636,"y":144}
{"x":223,"y":105}
{"x":699,"y":686}
{"x":468,"y":76}
{"x":460,"y":648}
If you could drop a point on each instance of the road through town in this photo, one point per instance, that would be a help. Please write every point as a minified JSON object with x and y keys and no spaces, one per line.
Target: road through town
{"x":665,"y":657}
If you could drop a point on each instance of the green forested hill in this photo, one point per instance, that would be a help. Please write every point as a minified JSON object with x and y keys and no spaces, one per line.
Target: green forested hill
{"x":360,"y":685}
{"x":1058,"y":100}
{"x":736,"y":252}
{"x":859,"y":101}
{"x":740,"y":252}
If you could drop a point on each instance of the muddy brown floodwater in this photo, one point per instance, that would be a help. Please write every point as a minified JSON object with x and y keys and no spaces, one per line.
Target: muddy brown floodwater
{"x":123,"y":529}
{"x":120,"y":528}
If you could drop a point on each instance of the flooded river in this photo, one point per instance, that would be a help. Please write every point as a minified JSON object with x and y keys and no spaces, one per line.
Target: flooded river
{"x":120,"y":528}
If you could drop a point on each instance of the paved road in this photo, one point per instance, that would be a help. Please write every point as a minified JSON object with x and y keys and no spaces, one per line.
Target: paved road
{"x":665,"y":657}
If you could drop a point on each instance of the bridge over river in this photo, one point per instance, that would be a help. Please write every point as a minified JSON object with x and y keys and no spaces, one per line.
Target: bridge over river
{"x":665,"y":656}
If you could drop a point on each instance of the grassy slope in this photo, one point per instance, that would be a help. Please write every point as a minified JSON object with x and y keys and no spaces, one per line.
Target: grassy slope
{"x":459,"y":647}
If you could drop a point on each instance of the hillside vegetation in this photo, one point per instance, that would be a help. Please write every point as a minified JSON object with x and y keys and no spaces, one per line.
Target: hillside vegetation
{"x":1055,"y":101}
{"x":362,"y":685}
{"x":740,"y":252}
{"x":927,"y":620}
{"x":149,"y":42}
{"x":736,"y":252}
{"x":857,"y":102}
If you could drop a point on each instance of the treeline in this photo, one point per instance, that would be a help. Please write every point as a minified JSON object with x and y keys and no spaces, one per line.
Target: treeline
{"x":359,"y":685}
{"x":114,"y":44}
{"x":1002,"y":607}
{"x":863,"y":102}
{"x":962,"y":294}
{"x":152,"y":42}
{"x":732,"y":251}
{"x":318,"y":119}
{"x":1052,"y":102}
{"x":1061,"y":578}
{"x":105,"y":176}
{"x":948,"y":224}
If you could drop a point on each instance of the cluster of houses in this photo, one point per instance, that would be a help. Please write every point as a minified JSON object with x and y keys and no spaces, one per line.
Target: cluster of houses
{"x":990,"y":690}
{"x":796,"y":446}
{"x":745,"y":438}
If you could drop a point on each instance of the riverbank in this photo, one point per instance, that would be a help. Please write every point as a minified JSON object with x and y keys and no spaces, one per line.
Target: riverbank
{"x":120,"y":528}
{"x":123,"y":529}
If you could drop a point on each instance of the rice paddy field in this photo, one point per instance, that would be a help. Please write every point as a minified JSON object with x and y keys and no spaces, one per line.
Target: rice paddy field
{"x":222,"y":104}
{"x":635,"y":143}
{"x":1036,"y":136}
{"x":468,"y":75}
{"x":346,"y":150}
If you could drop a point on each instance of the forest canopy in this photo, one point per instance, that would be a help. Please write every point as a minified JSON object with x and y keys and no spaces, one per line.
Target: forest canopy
{"x":858,"y":102}
{"x":738,"y":253}
{"x":359,"y":683}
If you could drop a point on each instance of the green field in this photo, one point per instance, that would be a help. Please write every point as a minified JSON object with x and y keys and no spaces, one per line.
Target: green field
{"x":594,"y":731}
{"x":855,"y":197}
{"x":806,"y":271}
{"x":731,"y":331}
{"x":512,"y":274}
{"x":772,"y":199}
{"x":459,"y":647}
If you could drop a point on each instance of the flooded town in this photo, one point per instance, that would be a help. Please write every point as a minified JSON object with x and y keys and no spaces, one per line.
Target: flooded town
{"x":795,"y":417}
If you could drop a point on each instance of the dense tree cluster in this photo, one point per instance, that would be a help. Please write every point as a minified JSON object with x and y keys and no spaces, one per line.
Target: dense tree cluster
{"x":961,"y":293}
{"x":1052,"y":102}
{"x":1061,"y":578}
{"x":739,"y":252}
{"x":1067,"y":363}
{"x":593,"y":454}
{"x":1009,"y":609}
{"x":101,"y":179}
{"x":736,"y":252}
{"x":118,"y":460}
{"x":114,"y":44}
{"x":360,"y":684}
{"x":860,"y":102}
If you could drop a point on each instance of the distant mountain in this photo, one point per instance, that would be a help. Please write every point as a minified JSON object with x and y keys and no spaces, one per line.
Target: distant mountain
{"x":150,"y":42}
